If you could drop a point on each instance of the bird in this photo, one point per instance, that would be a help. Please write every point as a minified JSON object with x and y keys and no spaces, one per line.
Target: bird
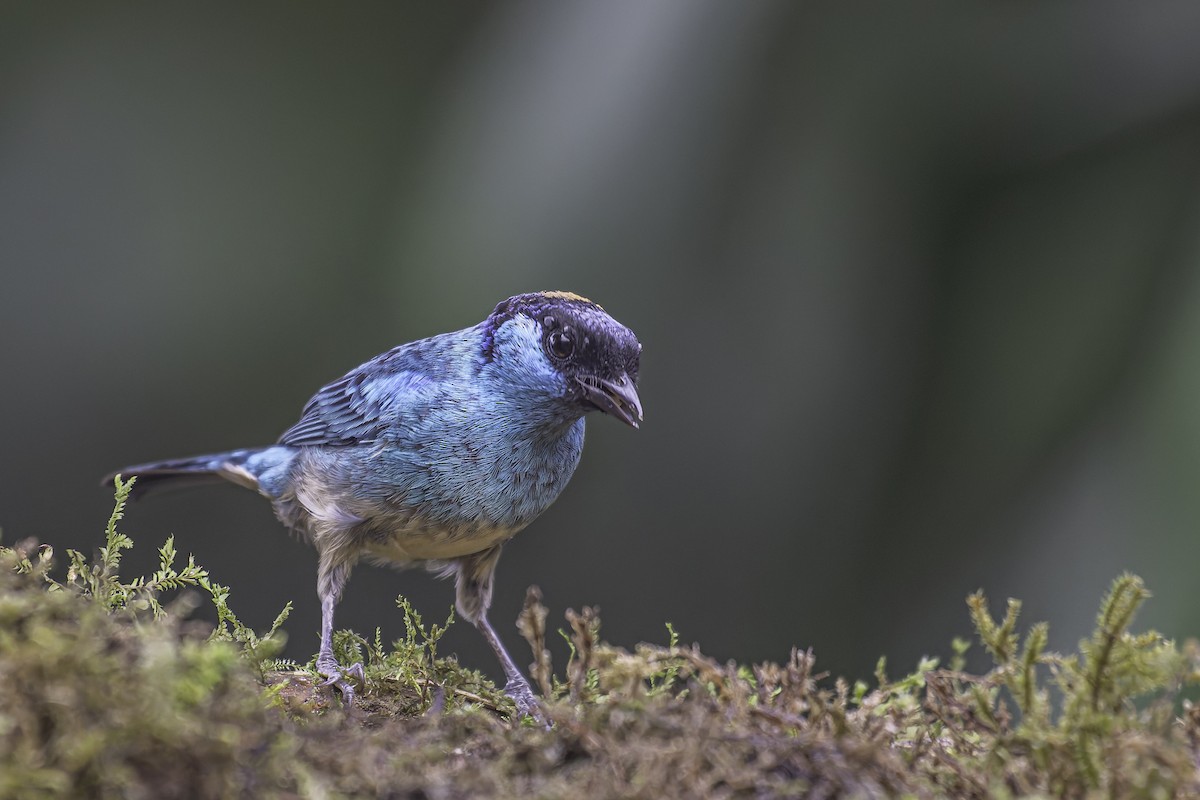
{"x":436,"y":453}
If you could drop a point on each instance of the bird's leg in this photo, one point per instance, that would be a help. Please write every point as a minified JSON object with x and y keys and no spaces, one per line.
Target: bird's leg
{"x":474,"y":595}
{"x":517,"y":686}
{"x":331,"y":579}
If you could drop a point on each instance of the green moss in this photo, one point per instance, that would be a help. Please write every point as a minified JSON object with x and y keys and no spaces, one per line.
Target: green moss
{"x":101,"y":704}
{"x":111,"y":691}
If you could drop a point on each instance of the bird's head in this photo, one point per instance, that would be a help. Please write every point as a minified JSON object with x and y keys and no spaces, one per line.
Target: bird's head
{"x":567,"y":349}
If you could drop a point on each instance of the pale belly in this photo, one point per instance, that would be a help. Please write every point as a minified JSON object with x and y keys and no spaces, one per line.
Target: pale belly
{"x":441,"y":545}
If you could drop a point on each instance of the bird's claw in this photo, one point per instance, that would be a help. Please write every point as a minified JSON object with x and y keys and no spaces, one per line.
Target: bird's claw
{"x":337,"y":678}
{"x":527,"y":702}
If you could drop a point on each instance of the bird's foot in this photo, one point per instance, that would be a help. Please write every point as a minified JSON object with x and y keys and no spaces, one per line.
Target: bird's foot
{"x":337,"y":678}
{"x":527,"y":702}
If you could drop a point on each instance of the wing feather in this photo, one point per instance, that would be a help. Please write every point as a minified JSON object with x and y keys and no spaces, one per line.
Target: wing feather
{"x":368,"y":404}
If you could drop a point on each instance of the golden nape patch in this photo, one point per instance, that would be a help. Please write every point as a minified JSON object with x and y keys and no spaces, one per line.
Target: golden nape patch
{"x":569,"y":296}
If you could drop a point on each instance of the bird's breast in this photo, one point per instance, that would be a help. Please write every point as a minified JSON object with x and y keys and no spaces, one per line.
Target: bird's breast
{"x":475,"y":493}
{"x":494,"y":479}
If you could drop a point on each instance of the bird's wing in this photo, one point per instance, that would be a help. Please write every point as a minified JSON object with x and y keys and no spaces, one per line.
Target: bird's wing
{"x":368,"y":404}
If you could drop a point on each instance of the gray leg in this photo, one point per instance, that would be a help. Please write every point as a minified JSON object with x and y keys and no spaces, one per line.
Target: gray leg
{"x":517,"y":687}
{"x":331,"y":579}
{"x":473,"y":587}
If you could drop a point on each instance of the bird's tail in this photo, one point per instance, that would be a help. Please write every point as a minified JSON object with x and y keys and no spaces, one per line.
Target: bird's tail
{"x":237,"y":466}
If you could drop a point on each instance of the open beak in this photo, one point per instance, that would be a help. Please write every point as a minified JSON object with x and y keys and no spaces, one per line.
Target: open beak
{"x":618,"y":398}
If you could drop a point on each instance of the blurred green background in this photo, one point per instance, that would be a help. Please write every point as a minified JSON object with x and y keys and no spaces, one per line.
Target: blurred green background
{"x":917,"y":285}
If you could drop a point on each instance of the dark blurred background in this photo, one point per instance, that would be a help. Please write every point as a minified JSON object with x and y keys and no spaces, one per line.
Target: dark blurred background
{"x":917,"y":283}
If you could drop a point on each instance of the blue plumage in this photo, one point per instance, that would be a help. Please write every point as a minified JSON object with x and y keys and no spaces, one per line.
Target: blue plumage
{"x":438,"y":451}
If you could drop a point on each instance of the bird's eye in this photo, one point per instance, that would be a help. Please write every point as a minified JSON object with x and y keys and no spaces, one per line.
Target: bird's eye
{"x":561,"y":344}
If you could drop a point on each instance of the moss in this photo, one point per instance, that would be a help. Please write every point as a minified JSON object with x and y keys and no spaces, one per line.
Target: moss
{"x":110,"y":691}
{"x":98,"y":704}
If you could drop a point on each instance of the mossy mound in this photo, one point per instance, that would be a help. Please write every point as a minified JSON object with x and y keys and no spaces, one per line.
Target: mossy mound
{"x":97,"y":704}
{"x":107,"y":692}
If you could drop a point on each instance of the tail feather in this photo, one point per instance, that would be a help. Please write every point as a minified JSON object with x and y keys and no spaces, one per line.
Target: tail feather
{"x":181,"y":473}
